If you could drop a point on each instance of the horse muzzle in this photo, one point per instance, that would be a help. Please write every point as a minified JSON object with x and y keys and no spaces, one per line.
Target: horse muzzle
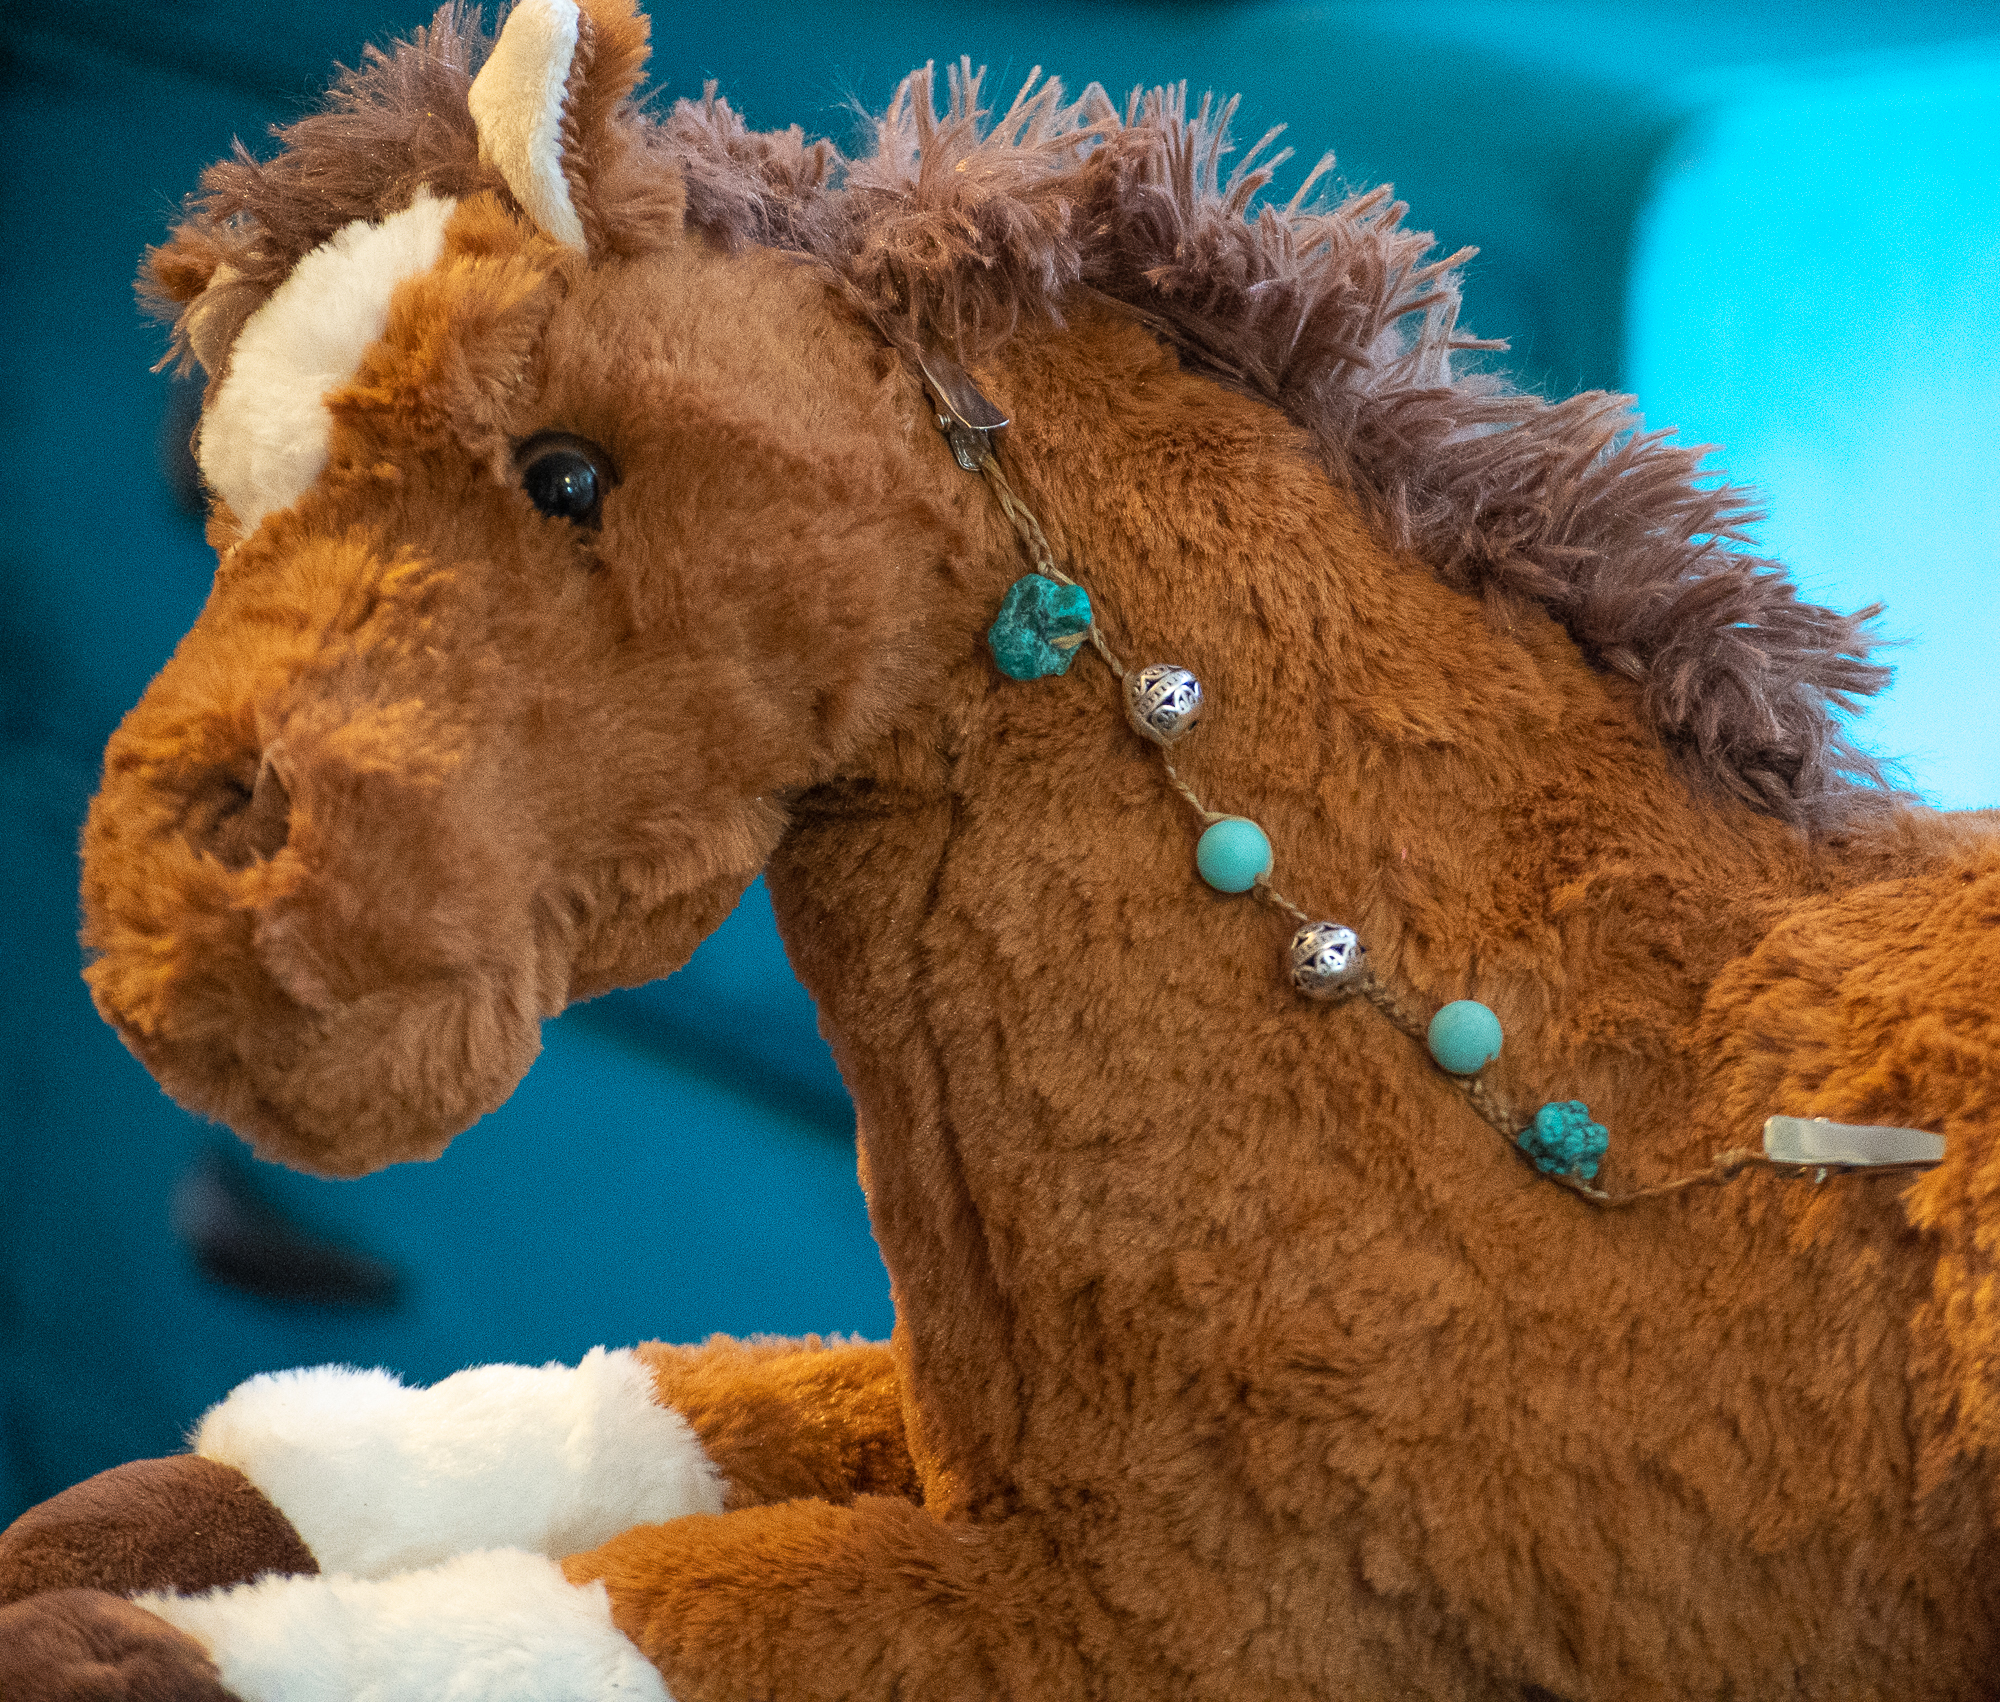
{"x":311,"y":908}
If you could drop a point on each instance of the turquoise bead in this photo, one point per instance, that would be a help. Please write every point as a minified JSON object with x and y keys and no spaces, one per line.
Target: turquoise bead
{"x":1036,"y":610}
{"x":1563,"y":1141}
{"x":1233,"y":854}
{"x":1464,"y":1037}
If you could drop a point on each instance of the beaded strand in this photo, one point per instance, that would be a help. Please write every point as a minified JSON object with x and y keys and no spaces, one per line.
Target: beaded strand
{"x":1044,"y":621}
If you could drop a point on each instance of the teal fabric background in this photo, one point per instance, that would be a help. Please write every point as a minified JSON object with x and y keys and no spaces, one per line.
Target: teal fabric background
{"x":1816,"y":288}
{"x":1779,"y":224}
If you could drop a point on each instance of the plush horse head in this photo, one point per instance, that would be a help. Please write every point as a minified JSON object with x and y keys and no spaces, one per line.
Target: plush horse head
{"x":589,"y":544}
{"x":468,"y":732}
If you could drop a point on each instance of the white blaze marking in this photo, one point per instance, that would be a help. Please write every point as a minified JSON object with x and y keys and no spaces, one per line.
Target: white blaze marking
{"x":264,"y":438}
{"x":517,"y":103}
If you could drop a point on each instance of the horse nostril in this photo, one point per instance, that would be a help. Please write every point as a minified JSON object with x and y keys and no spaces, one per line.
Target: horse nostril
{"x":251,"y":823}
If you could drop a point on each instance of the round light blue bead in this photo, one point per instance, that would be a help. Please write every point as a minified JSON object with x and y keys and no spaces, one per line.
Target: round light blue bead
{"x":1464,"y":1037}
{"x":1233,"y":854}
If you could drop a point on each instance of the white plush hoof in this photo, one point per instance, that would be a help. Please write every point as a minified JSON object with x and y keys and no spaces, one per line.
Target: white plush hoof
{"x":500,"y":1626}
{"x":378,"y":1479}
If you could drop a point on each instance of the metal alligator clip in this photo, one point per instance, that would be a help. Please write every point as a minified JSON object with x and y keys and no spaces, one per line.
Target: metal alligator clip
{"x":964,"y":415}
{"x":1815,"y":1140}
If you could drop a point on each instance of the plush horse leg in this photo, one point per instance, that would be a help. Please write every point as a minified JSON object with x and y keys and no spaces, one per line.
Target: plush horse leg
{"x":794,"y":1598}
{"x":384,"y":1478}
{"x":809,"y":1601}
{"x":801,"y":1601}
{"x":380,"y":1479}
{"x":351,"y":1471}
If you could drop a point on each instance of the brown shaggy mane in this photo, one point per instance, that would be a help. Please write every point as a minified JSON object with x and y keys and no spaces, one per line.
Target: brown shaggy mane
{"x":397,"y":123}
{"x":956,"y":229}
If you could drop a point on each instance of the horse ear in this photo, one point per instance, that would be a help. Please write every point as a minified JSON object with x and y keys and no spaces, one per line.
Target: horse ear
{"x":545,"y":104}
{"x":188,"y":281}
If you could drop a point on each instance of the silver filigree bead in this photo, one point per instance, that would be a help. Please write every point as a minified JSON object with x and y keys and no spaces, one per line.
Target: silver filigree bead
{"x":1326,"y":960}
{"x":1163,"y":701}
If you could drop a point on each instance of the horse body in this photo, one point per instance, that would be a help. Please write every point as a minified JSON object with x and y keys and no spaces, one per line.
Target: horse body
{"x":1237,"y":1355}
{"x":1250,"y":1261}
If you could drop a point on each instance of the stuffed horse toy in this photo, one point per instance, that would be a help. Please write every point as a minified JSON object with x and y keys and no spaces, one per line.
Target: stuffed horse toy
{"x":1432,"y":1123}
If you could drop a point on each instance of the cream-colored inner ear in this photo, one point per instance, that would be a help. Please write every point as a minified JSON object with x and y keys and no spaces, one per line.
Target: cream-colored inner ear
{"x":215,"y":317}
{"x":517,"y":103}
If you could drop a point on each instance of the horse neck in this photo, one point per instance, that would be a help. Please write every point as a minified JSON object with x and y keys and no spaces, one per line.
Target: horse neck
{"x":1489,"y":812}
{"x":1044,"y":1015}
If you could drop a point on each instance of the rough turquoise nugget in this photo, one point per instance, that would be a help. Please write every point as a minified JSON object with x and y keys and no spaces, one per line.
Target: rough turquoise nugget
{"x":1035,"y":611}
{"x":1563,"y":1141}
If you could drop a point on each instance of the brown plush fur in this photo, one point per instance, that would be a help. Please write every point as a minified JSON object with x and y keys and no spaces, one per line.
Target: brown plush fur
{"x":1236,"y":1356}
{"x":183,"y":1523}
{"x":84,"y":1646}
{"x":782,"y":1419}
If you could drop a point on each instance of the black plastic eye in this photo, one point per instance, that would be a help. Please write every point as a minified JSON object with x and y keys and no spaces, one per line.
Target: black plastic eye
{"x":566,"y":476}
{"x":562,"y":483}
